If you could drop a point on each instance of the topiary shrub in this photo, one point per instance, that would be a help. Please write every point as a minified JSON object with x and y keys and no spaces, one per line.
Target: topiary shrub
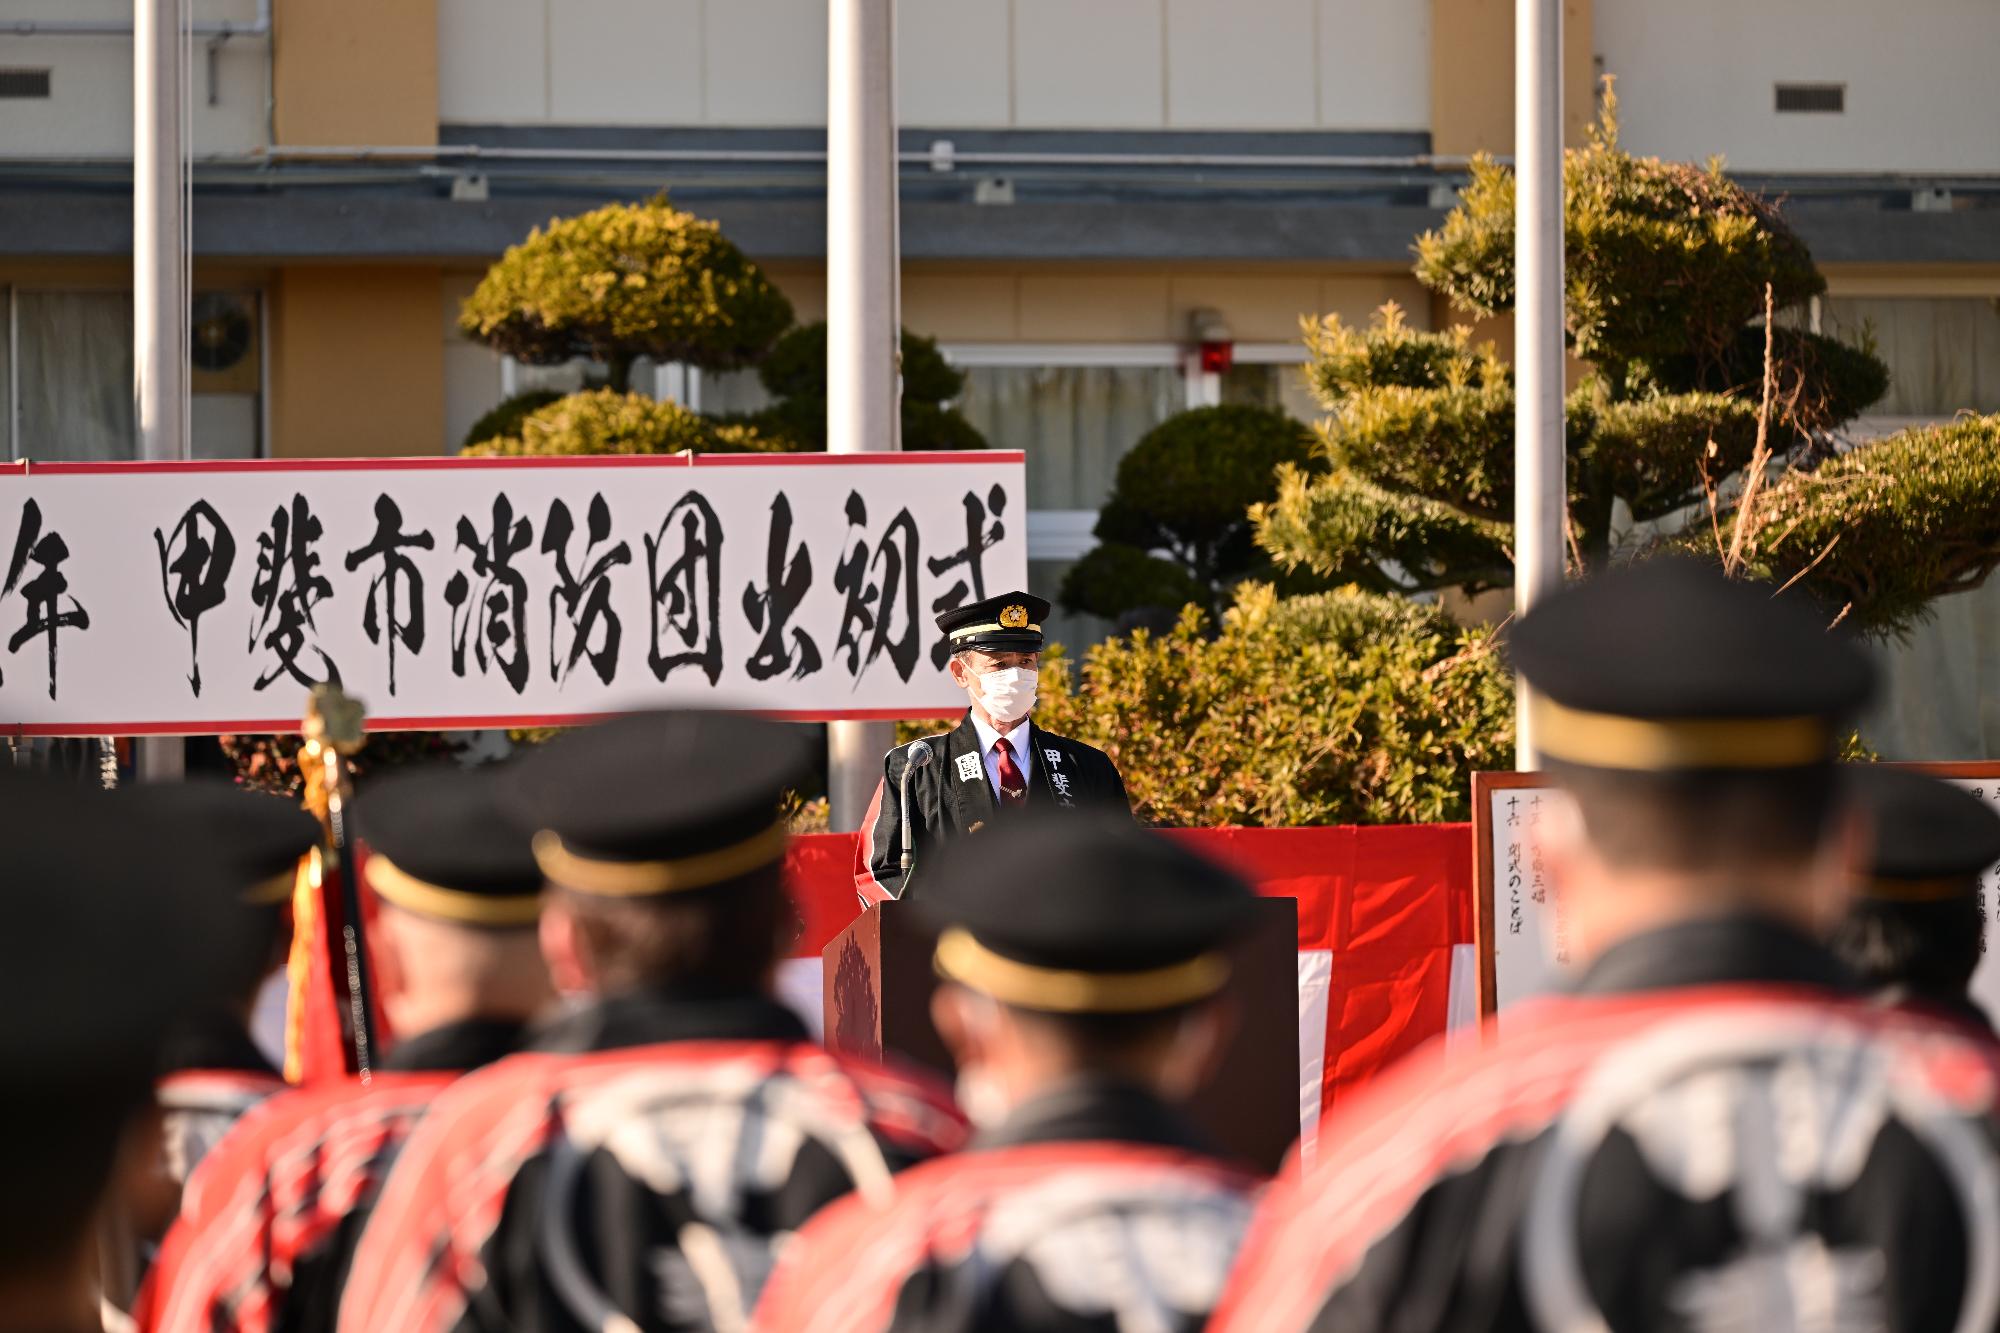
{"x":1668,"y":271}
{"x":1338,"y":707}
{"x":1878,"y":532}
{"x":623,"y":282}
{"x":506,"y":419}
{"x":795,"y":374}
{"x":1186,"y":490}
{"x":605,"y":421}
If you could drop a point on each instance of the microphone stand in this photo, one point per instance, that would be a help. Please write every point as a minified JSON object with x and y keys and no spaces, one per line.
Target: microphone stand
{"x":917,"y":756}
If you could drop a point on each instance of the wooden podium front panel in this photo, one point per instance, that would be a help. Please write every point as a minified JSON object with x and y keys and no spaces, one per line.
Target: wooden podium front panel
{"x":879,"y":979}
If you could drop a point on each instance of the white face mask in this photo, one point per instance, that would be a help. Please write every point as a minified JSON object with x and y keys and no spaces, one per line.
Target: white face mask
{"x":1009,"y":695}
{"x":981,"y":1098}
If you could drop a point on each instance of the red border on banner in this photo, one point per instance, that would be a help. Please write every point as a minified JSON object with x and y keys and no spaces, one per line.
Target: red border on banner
{"x":476,"y":723}
{"x":27,"y":469}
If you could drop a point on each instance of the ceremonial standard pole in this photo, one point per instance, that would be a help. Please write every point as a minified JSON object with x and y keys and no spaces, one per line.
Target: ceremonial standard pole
{"x":1540,"y":500}
{"x":863,"y":306}
{"x":159,"y":264}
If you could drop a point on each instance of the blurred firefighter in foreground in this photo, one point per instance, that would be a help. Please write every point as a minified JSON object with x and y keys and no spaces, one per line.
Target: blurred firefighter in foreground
{"x":1715,"y":1127}
{"x":1081,"y":1003}
{"x":644,"y":1158}
{"x":272,"y":1219}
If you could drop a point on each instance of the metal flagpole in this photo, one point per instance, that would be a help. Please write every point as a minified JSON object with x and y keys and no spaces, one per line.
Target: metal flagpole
{"x":1540,"y":498}
{"x":159,"y":263}
{"x":863,"y":306}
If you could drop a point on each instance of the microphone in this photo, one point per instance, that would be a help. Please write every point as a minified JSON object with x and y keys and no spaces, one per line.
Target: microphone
{"x":917,"y":756}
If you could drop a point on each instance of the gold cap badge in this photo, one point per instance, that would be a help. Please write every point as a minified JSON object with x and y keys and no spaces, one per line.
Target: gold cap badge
{"x":1014,"y":617}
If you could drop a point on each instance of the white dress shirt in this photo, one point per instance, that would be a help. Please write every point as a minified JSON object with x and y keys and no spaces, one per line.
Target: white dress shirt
{"x":1017,"y":740}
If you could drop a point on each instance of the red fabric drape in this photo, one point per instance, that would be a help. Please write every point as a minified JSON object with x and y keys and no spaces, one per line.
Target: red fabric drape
{"x":1388,"y":903}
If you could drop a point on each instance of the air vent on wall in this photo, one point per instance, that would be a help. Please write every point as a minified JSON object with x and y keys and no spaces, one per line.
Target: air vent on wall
{"x":1822,"y":97}
{"x":24,"y":83}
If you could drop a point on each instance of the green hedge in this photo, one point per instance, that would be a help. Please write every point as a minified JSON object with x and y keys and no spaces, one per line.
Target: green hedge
{"x":1884,"y":528}
{"x":604,"y":421}
{"x":627,"y":281}
{"x":505,"y":419}
{"x":1334,"y":708}
{"x":795,"y":374}
{"x":1186,"y":488}
{"x":1659,"y":256}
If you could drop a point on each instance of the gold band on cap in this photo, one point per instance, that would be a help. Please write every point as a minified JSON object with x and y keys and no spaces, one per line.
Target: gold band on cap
{"x":406,"y":891}
{"x":273,"y":891}
{"x":963,"y":959}
{"x":638,"y":879}
{"x":1934,"y":890}
{"x":967,"y":631}
{"x":1605,"y":740}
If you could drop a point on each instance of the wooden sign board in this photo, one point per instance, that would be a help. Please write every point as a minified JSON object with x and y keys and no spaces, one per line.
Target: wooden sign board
{"x":1518,"y":927}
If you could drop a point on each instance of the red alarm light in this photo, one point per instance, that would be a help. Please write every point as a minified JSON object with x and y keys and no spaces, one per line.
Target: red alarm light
{"x":1217,"y":357}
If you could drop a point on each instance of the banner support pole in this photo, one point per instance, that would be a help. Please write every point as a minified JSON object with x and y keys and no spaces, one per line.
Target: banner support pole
{"x":1540,"y":488}
{"x":161,"y":255}
{"x":863,"y":308}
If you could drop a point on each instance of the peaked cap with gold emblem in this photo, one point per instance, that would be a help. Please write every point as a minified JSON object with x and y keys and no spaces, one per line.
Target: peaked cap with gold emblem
{"x":1118,"y":919}
{"x":659,"y":802}
{"x":1933,"y":839}
{"x":441,"y":845}
{"x":1009,"y":623}
{"x":1667,"y":666}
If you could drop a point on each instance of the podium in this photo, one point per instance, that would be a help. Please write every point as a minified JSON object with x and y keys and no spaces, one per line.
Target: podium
{"x":879,"y":979}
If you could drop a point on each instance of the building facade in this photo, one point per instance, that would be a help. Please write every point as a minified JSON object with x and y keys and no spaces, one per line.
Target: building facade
{"x":1086,"y":187}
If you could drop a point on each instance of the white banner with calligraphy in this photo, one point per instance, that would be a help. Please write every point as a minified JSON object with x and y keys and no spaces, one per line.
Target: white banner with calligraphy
{"x":163,"y":598}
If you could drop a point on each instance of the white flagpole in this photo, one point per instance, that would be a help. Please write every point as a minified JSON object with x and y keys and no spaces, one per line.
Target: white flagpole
{"x":1540,"y":500}
{"x":863,"y":307}
{"x":160,"y":309}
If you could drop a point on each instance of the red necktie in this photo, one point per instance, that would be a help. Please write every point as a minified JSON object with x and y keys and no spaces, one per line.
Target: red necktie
{"x":1013,"y":787}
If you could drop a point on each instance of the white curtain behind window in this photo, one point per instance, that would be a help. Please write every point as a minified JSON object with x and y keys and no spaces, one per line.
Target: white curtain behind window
{"x":75,"y":385}
{"x":1074,"y":422}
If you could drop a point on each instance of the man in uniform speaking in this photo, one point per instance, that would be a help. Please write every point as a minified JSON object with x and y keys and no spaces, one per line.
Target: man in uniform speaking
{"x":991,"y":764}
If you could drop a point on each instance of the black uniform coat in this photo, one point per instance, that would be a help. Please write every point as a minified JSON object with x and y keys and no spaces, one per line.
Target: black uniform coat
{"x":271,"y":1220}
{"x":952,"y":796}
{"x":1716,"y":1130}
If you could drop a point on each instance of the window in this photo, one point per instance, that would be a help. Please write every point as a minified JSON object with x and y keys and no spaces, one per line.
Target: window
{"x":66,"y":375}
{"x":1943,"y":353}
{"x":1823,"y":98}
{"x":1075,"y":410}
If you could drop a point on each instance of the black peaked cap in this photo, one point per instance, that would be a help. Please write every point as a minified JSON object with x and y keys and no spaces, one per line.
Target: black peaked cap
{"x":1011,"y":622}
{"x":1667,"y":666}
{"x":1084,"y":893}
{"x":445,"y":826}
{"x":660,"y":787}
{"x":260,"y":835}
{"x":1925,"y":827}
{"x":120,"y":923}
{"x":1673,"y":638}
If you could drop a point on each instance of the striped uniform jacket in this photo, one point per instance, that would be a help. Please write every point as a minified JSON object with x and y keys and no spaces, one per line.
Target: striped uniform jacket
{"x":1091,"y":1209}
{"x":642,"y":1164}
{"x":216,"y":1074}
{"x":952,"y":796}
{"x":1715,"y":1131}
{"x":268,"y":1224}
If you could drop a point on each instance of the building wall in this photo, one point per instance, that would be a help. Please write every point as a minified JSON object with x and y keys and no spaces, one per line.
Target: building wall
{"x":88,"y":112}
{"x":355,"y":72}
{"x":1472,"y":74}
{"x":1148,"y":64}
{"x":357,"y":369}
{"x":1697,"y":78}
